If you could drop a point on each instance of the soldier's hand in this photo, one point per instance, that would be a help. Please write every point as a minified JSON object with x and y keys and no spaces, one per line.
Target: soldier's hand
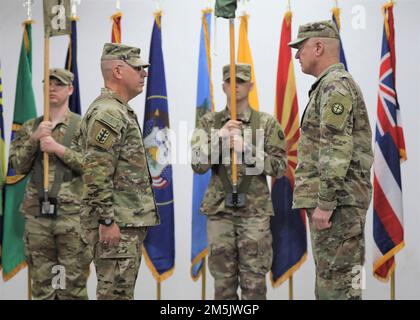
{"x":109,"y":236}
{"x":237,"y":143}
{"x":321,"y":219}
{"x":230,"y":126}
{"x":44,"y":130}
{"x":48,"y":144}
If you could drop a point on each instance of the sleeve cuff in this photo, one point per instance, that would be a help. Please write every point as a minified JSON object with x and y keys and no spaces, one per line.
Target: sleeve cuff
{"x":327,"y":205}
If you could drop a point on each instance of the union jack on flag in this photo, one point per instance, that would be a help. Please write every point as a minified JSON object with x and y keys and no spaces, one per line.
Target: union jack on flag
{"x":388,"y":230}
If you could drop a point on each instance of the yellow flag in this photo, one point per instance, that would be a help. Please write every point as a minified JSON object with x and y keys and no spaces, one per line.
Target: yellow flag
{"x":245,"y":56}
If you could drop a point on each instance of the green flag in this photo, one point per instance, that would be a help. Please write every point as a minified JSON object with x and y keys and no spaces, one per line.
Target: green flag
{"x":13,"y":255}
{"x":225,"y":8}
{"x":57,"y":17}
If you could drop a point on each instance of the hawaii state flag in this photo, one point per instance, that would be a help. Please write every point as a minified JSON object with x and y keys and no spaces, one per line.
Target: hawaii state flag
{"x":388,"y":226}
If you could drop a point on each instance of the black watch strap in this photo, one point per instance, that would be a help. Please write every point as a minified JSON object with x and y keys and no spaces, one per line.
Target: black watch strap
{"x":106,"y":222}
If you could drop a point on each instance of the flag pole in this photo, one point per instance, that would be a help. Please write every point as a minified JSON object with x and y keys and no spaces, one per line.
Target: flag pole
{"x":46,"y":114}
{"x":158,"y":291}
{"x":393,"y":284}
{"x":289,"y":8}
{"x":233,"y":98}
{"x":29,"y":284}
{"x":28,"y":4}
{"x":203,"y":280}
{"x":291,"y":287}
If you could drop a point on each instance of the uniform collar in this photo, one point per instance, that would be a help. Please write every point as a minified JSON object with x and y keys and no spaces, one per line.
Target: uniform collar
{"x":111,"y":94}
{"x":335,"y":66}
{"x":244,"y":117}
{"x":64,"y":120}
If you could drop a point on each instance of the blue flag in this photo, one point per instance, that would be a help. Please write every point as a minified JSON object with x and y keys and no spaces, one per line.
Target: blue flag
{"x":200,"y":182}
{"x":71,"y":64}
{"x":160,"y":241}
{"x":336,"y":19}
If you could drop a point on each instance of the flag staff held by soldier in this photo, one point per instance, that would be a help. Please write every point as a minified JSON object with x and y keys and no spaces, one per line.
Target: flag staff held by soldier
{"x":57,"y":22}
{"x":226,"y":9}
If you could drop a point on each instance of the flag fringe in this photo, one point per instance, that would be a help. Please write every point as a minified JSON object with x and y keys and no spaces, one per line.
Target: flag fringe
{"x":11,"y":274}
{"x":158,"y":17}
{"x":288,"y":273}
{"x":385,"y":258}
{"x":199,"y":257}
{"x":158,"y":277}
{"x":288,"y":17}
{"x":336,"y":12}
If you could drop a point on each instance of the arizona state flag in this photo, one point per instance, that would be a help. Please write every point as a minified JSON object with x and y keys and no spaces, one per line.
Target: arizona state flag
{"x":205,"y":104}
{"x":160,"y":241}
{"x":288,"y":225}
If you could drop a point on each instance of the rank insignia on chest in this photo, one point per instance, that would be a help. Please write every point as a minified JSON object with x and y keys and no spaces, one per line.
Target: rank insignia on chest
{"x":103,"y":135}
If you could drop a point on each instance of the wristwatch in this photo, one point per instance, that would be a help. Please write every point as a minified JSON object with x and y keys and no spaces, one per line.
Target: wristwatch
{"x":106,"y":222}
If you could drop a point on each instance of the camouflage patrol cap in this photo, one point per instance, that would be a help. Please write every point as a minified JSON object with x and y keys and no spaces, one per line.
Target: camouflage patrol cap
{"x":320,"y":29}
{"x":63,"y":75}
{"x":117,"y":51}
{"x":242,"y":70}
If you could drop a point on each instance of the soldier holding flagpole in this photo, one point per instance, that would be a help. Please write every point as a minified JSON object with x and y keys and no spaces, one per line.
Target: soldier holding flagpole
{"x":56,"y":254}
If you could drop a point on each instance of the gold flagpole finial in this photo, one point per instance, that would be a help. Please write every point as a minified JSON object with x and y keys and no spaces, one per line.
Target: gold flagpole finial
{"x":74,"y":4}
{"x":28,"y":4}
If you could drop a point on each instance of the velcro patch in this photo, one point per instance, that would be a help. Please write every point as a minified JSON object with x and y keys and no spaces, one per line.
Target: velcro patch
{"x":101,"y":135}
{"x":111,"y":121}
{"x":336,"y":112}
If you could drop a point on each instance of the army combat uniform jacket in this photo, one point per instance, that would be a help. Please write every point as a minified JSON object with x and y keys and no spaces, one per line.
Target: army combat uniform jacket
{"x":116,"y":177}
{"x":272,"y":157}
{"x":23,"y":154}
{"x":335,"y":148}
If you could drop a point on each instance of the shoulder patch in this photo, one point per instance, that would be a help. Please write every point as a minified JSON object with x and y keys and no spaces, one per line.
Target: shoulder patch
{"x":101,"y":135}
{"x":336,"y":111}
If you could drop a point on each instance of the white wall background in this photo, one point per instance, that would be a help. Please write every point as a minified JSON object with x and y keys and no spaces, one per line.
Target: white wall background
{"x":181,"y":27}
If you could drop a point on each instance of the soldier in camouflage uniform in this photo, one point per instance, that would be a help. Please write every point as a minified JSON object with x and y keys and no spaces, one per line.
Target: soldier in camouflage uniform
{"x":332,"y":179}
{"x":53,"y":239}
{"x":239,"y":238}
{"x":118,"y":203}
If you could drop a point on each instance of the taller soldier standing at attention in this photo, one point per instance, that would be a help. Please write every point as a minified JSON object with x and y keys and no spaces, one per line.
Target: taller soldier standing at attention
{"x":118,"y":203}
{"x":332,"y":178}
{"x":238,"y":223}
{"x":52,"y":238}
